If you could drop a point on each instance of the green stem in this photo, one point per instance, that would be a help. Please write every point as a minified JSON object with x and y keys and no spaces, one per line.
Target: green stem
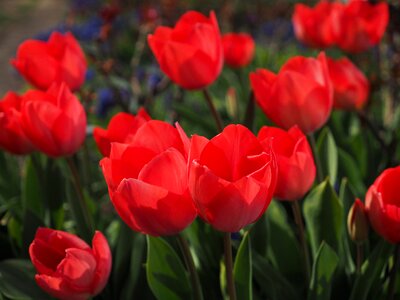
{"x":213,"y":110}
{"x":194,"y":277}
{"x":393,"y":273}
{"x":360,"y":258}
{"x":82,"y":203}
{"x":300,"y":226}
{"x":316,"y":157}
{"x":229,"y":266}
{"x":250,"y":110}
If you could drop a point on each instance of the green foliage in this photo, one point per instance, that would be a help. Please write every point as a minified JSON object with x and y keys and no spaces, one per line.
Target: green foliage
{"x":242,"y":270}
{"x":166,"y":274}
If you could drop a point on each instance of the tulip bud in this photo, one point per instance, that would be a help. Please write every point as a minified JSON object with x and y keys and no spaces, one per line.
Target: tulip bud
{"x":357,"y":222}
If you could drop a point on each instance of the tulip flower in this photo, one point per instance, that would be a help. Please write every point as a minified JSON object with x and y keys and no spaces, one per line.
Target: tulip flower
{"x":238,"y":49}
{"x":54,"y":121}
{"x":382,"y":203}
{"x":361,"y":25}
{"x":300,"y":94}
{"x":58,"y":60}
{"x":314,"y":26}
{"x":12,"y":135}
{"x":147,"y":179}
{"x":191,"y":53}
{"x":67,"y":268}
{"x":296,"y":168}
{"x":121,"y":127}
{"x":231,"y":178}
{"x":351,"y":87}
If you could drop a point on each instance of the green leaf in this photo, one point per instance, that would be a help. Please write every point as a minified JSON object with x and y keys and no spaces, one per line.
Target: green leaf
{"x":347,"y":198}
{"x":349,"y":169}
{"x":323,"y":214}
{"x":166,"y":274}
{"x":271,"y":282}
{"x":280,"y":238}
{"x":242,"y":270}
{"x":136,"y":265}
{"x":324,"y":267}
{"x":328,"y":154}
{"x":371,"y":270}
{"x":206,"y":256}
{"x":17,"y":281}
{"x":32,"y":197}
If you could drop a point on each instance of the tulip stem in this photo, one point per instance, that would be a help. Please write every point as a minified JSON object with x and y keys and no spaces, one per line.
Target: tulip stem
{"x":393,"y":273}
{"x":82,"y":203}
{"x":316,"y":157}
{"x":194,"y":277}
{"x":360,"y":256}
{"x":229,"y":266}
{"x":213,"y":110}
{"x":300,"y":226}
{"x":249,"y":115}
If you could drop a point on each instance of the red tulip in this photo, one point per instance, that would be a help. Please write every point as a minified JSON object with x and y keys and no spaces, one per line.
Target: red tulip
{"x":60,"y":59}
{"x":382,"y":203}
{"x":351,"y":87}
{"x":12,"y":135}
{"x":300,"y":94}
{"x":231,"y":178}
{"x":147,"y":180}
{"x":314,"y":26}
{"x":121,"y":127}
{"x":238,"y":49}
{"x":54,"y":121}
{"x":296,"y":168}
{"x":361,"y":25}
{"x":190,"y":53}
{"x":68,"y":269}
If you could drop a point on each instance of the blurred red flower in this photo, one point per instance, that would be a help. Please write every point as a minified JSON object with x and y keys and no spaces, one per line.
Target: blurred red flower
{"x":238,"y":49}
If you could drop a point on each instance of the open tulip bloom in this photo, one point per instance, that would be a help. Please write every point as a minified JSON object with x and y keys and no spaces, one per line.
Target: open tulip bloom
{"x":67,"y":267}
{"x":118,"y":185}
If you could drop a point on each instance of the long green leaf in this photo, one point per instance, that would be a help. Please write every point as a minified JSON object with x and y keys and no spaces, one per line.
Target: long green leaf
{"x":17,"y":281}
{"x":242,"y":270}
{"x":324,"y":267}
{"x":371,"y":270}
{"x":166,"y":274}
{"x":328,"y":154}
{"x":271,"y":282}
{"x":323,"y":214}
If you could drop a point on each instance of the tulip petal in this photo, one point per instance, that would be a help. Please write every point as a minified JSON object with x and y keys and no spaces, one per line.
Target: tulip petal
{"x":102,"y":253}
{"x":78,"y":268}
{"x":56,"y":287}
{"x":167,"y":170}
{"x":155,"y":210}
{"x":157,"y":136}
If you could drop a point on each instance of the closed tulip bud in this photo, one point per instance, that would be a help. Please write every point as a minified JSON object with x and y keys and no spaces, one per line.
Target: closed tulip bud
{"x":12,"y":135}
{"x":238,"y":49}
{"x":300,"y":94}
{"x":54,"y":121}
{"x":67,"y":268}
{"x":191,"y":53}
{"x":351,"y":87}
{"x":58,"y":60}
{"x":121,"y":127}
{"x":357,"y":222}
{"x":382,"y":203}
{"x":231,"y":178}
